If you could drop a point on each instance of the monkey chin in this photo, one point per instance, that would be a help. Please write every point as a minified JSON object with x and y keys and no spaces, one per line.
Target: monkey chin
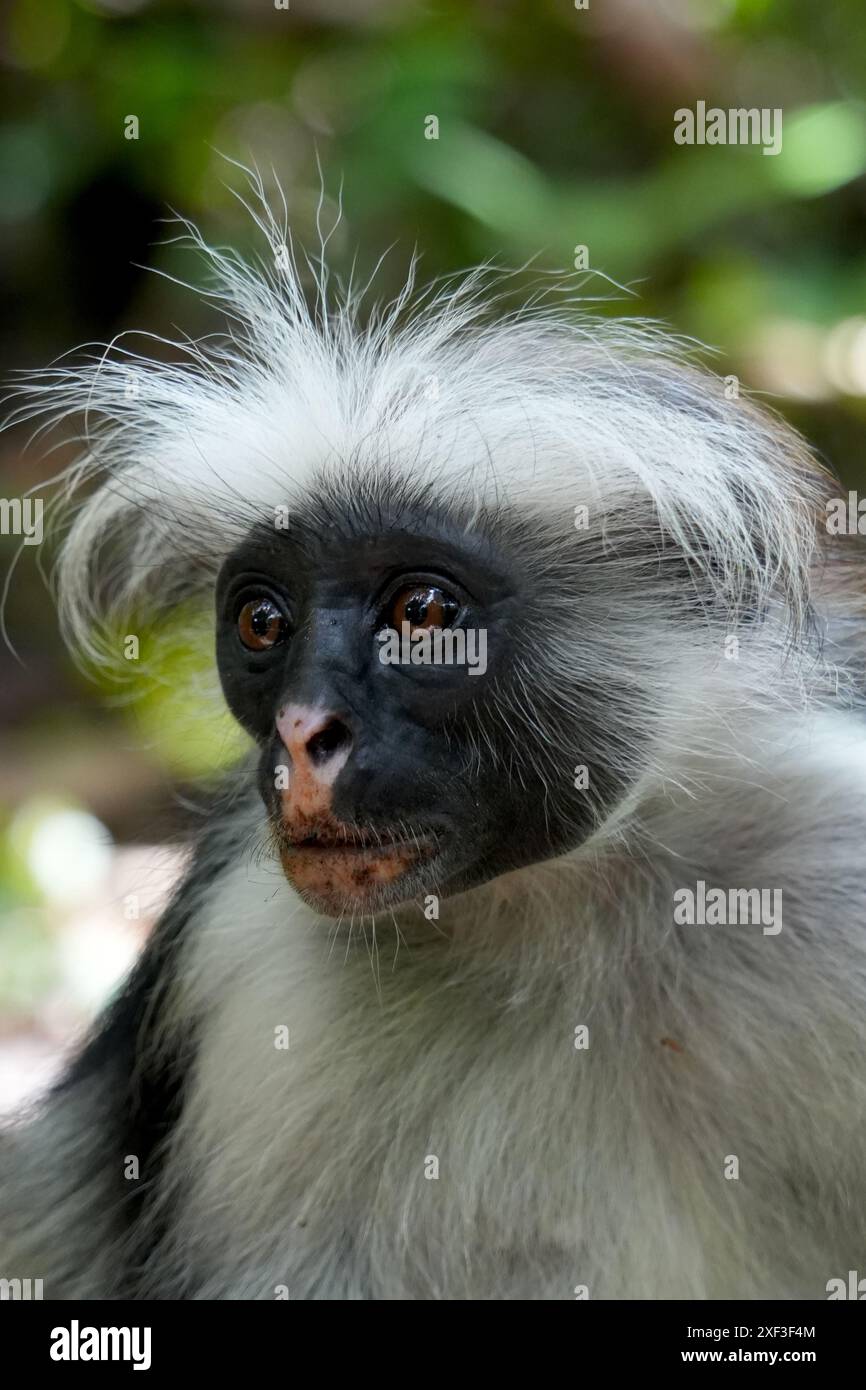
{"x":335,"y":880}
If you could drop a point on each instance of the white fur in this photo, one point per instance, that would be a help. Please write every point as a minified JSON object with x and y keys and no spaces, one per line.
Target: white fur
{"x":602,"y":1167}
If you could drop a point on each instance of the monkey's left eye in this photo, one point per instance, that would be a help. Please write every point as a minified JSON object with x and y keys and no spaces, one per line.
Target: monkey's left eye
{"x":261,"y":624}
{"x":423,"y":606}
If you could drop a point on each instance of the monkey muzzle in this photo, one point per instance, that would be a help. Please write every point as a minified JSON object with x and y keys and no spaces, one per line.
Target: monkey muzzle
{"x":337,"y":867}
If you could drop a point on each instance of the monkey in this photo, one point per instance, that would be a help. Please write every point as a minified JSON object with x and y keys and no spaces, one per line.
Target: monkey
{"x":427,"y":1017}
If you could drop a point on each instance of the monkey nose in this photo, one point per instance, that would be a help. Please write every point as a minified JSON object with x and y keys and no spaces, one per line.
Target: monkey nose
{"x":317,"y":740}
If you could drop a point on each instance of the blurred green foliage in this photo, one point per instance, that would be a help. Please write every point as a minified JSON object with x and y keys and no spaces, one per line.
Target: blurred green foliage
{"x":555,"y":131}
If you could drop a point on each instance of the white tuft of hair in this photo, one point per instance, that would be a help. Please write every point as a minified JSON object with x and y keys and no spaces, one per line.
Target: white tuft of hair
{"x":543,"y":409}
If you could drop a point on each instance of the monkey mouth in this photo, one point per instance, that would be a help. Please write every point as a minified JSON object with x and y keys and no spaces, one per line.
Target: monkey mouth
{"x":335,"y":866}
{"x":346,"y":839}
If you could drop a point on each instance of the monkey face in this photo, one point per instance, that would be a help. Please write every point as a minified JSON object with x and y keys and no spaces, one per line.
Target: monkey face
{"x":371,"y":653}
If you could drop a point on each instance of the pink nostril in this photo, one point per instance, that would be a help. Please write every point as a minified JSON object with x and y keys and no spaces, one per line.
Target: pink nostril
{"x":314,"y":737}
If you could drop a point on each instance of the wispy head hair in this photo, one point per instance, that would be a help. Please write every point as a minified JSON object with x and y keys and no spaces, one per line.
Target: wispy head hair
{"x":539,"y":409}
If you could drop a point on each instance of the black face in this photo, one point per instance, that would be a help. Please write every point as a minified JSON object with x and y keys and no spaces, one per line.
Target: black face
{"x":393,"y":752}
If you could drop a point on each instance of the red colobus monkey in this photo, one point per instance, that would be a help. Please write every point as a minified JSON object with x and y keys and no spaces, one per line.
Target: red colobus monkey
{"x":565,"y":929}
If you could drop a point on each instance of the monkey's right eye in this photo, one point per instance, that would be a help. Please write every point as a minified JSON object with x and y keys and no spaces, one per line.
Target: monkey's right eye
{"x":261,"y":624}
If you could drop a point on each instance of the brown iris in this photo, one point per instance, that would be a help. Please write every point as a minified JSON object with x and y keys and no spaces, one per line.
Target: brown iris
{"x":261,"y":624}
{"x":423,"y":606}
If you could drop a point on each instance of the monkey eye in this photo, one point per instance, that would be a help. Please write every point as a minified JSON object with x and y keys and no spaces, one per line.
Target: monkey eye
{"x":423,"y":606}
{"x":261,"y":624}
